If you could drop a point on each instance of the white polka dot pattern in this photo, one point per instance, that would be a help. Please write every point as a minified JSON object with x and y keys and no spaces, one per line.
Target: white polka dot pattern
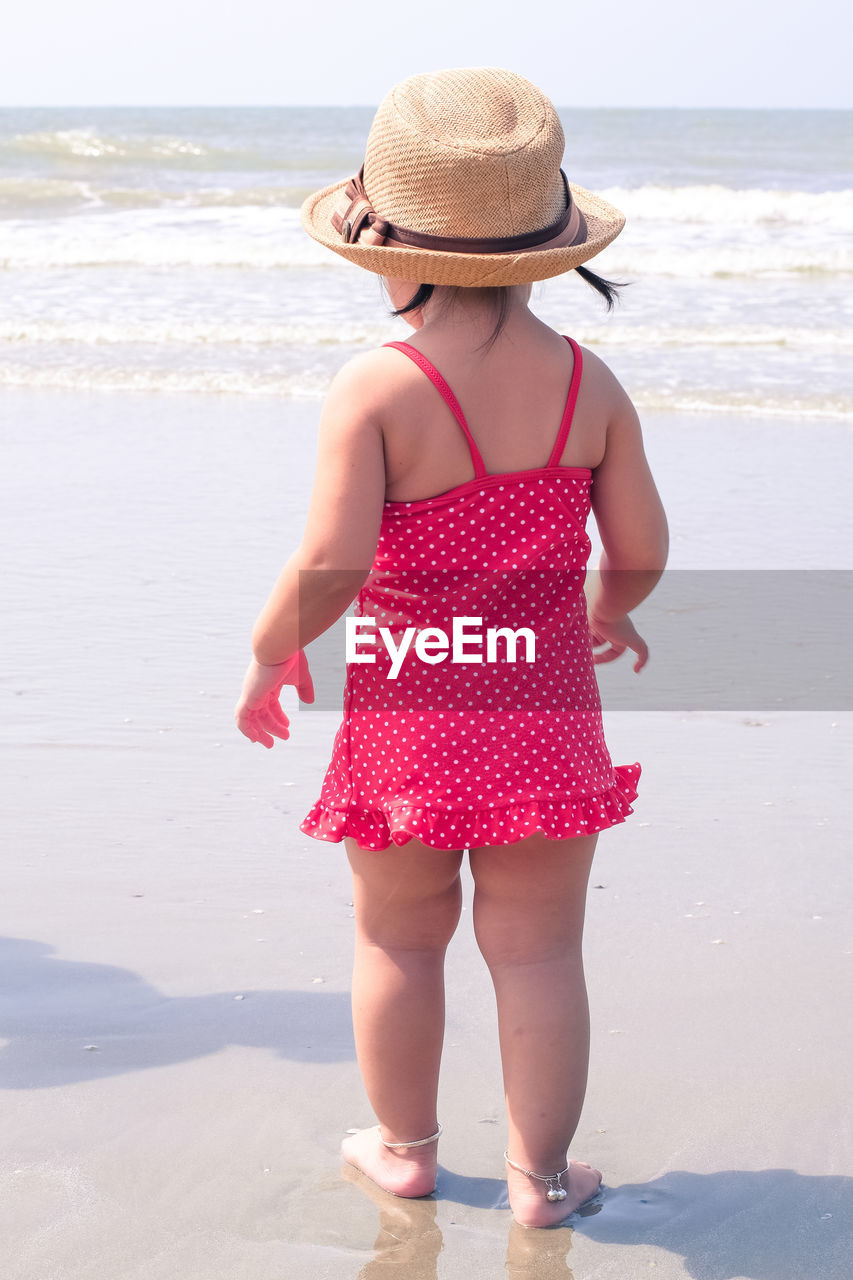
{"x":460,"y":756}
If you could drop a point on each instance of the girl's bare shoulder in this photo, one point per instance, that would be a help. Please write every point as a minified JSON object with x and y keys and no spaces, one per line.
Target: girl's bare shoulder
{"x":370,"y":380}
{"x":600,"y":381}
{"x":370,"y":384}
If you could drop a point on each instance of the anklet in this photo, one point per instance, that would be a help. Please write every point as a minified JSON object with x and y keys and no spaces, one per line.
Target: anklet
{"x":552,"y":1180}
{"x":421,"y":1142}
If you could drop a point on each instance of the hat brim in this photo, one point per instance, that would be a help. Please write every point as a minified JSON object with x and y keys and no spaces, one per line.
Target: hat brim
{"x":430,"y":266}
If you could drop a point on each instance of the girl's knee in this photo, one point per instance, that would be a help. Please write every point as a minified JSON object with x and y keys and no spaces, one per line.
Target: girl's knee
{"x":411,"y":903}
{"x":504,"y":951}
{"x":530,"y":899}
{"x":507,"y":939}
{"x":425,"y":924}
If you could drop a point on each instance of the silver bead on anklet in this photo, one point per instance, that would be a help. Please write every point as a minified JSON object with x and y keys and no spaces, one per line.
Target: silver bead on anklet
{"x":552,"y":1180}
{"x":421,"y":1142}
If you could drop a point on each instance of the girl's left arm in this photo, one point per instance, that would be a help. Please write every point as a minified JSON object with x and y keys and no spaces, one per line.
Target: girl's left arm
{"x":327,"y":570}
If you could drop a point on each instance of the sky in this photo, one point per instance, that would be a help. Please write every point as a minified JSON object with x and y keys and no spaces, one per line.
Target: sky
{"x":662,"y":53}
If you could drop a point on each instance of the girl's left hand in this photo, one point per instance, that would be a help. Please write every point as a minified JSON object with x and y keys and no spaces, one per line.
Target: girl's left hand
{"x":618,"y":634}
{"x":258,"y":713}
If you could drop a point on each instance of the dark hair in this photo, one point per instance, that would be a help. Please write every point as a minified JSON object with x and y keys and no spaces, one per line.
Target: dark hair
{"x":609,"y":290}
{"x":500,"y":297}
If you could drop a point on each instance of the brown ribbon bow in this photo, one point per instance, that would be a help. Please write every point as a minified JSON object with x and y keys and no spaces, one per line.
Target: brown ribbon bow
{"x":356,"y":220}
{"x":355,"y":217}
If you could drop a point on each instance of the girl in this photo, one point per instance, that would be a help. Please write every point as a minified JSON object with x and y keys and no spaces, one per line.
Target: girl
{"x":494,"y":747}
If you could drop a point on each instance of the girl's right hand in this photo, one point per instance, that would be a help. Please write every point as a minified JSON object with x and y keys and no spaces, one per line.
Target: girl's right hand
{"x":619,"y":635}
{"x":258,"y":714}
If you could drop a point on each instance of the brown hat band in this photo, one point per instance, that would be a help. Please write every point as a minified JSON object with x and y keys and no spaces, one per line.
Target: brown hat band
{"x":356,"y":220}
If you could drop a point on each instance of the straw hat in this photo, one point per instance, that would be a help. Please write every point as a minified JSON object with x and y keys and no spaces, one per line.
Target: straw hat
{"x":461,"y":184}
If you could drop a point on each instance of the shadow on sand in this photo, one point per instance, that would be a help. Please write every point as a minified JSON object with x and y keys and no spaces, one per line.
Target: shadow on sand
{"x":771,"y":1224}
{"x":52,"y":1009}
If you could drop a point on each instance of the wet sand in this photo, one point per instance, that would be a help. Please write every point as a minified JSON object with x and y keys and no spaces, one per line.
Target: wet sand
{"x":176,"y":1057}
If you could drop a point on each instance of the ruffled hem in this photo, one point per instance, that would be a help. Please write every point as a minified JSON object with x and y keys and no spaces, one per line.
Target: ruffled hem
{"x":467,"y":828}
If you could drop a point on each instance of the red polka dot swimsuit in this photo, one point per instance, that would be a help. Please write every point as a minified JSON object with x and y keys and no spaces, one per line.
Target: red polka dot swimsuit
{"x":477,"y":744}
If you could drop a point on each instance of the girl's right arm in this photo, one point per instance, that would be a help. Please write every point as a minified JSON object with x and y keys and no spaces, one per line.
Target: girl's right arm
{"x":633,"y":530}
{"x":332,"y":562}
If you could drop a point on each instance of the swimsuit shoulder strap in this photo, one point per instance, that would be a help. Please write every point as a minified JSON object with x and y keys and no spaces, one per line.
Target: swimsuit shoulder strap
{"x":449,"y":398}
{"x":571,"y":401}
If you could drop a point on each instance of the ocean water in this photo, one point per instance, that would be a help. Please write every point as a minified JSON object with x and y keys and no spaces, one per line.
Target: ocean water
{"x":160,"y":249}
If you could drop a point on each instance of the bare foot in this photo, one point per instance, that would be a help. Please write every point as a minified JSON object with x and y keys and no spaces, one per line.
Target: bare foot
{"x":409,"y":1172}
{"x":528,"y":1202}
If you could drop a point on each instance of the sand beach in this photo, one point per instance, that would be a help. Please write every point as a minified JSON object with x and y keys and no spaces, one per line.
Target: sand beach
{"x":176,"y":1058}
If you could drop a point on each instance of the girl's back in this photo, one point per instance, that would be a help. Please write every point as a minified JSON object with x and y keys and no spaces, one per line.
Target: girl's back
{"x":490,"y":753}
{"x":512,"y":394}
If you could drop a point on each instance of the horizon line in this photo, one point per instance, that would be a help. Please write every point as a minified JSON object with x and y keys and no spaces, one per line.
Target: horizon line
{"x":349,"y":106}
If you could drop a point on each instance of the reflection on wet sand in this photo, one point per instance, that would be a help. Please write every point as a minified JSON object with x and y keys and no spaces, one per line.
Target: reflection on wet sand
{"x":409,"y":1240}
{"x":543,"y":1253}
{"x":538,"y":1253}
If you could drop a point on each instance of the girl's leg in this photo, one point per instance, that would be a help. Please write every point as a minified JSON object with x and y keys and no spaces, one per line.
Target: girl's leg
{"x":529,"y":903}
{"x":407,"y":903}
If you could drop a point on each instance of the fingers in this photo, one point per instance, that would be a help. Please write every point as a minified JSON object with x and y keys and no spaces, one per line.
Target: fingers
{"x":642,"y":651}
{"x":614,"y":651}
{"x":276,"y":715}
{"x":305,"y":689}
{"x":304,"y":683}
{"x":255,"y":733}
{"x":263,"y":725}
{"x":609,"y":655}
{"x":252,"y":730}
{"x":272,"y":720}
